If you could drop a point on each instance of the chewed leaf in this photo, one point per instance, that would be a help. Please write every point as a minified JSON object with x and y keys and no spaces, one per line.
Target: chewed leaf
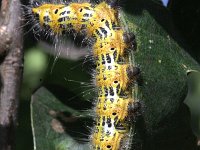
{"x":193,"y":100}
{"x":49,"y":123}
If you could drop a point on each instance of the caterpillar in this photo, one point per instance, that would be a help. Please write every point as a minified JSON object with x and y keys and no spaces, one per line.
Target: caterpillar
{"x":114,"y":72}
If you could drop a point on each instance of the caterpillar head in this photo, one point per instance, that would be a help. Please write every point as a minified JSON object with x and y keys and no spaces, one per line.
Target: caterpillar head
{"x":46,"y":15}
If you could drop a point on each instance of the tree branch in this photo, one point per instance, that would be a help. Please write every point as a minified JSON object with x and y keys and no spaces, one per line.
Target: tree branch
{"x":11,"y":66}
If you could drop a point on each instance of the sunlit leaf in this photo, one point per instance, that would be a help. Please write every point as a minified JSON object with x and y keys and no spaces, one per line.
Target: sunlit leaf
{"x":193,"y":100}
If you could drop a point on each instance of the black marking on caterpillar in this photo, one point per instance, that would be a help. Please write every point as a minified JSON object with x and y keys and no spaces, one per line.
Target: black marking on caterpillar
{"x":114,"y":72}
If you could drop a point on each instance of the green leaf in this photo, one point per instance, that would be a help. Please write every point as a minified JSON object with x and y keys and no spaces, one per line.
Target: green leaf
{"x":164,"y":65}
{"x":193,"y":100}
{"x":48,"y":123}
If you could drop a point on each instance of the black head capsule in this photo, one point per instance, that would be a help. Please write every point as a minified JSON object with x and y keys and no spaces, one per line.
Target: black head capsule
{"x":36,"y":4}
{"x":129,"y":39}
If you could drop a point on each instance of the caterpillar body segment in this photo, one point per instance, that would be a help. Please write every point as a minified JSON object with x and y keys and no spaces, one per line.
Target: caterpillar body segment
{"x":117,"y":108}
{"x":74,"y":16}
{"x":114,"y":71}
{"x":114,"y":76}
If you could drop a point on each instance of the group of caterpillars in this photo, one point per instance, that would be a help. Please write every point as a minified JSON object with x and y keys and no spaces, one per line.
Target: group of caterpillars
{"x":114,"y":73}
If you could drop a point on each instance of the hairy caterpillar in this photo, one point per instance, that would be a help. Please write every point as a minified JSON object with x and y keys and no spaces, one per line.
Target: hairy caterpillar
{"x":114,"y":73}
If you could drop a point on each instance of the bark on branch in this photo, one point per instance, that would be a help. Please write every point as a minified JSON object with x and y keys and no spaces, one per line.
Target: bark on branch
{"x":11,"y":66}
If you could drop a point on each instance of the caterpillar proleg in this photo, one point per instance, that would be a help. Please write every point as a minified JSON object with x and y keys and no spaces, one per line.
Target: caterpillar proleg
{"x":114,"y":72}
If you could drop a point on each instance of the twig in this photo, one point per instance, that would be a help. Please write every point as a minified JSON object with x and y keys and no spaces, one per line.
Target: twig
{"x":11,"y":66}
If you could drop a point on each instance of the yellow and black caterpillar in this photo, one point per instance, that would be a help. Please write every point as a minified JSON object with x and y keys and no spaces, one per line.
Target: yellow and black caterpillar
{"x":114,"y":73}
